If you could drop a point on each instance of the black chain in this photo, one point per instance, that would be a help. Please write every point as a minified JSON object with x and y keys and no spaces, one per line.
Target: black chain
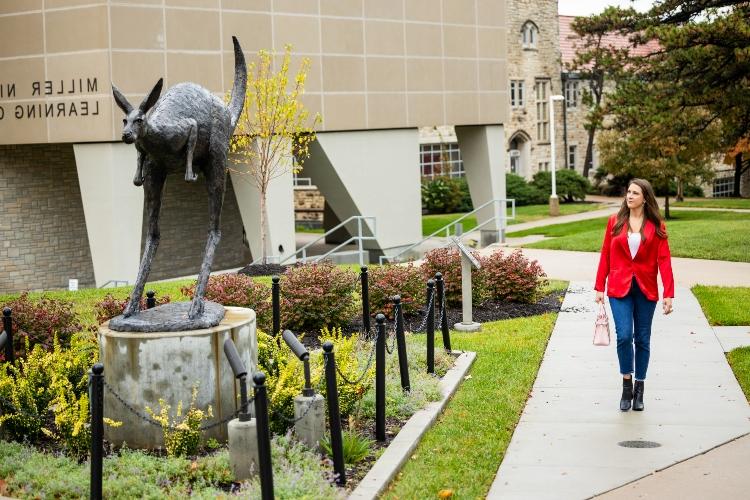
{"x":170,"y":427}
{"x":422,"y":326}
{"x":367,"y":368}
{"x":396,"y":310}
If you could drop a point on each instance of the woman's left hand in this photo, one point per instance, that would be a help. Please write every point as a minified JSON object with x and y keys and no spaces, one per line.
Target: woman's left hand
{"x":667,"y":305}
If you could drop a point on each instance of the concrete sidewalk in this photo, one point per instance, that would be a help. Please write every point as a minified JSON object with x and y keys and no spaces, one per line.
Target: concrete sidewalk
{"x":566,"y":443}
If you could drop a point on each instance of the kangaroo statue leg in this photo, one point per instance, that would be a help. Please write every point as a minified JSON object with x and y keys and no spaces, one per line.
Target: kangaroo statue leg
{"x":153,"y":186}
{"x":190,"y":148}
{"x":215,"y":184}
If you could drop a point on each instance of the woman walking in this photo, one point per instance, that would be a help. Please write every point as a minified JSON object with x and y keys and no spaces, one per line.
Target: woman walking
{"x":635,"y":247}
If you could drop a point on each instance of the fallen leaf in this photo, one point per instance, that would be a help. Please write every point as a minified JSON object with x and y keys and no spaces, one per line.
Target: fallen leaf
{"x":467,"y":377}
{"x":445,"y":493}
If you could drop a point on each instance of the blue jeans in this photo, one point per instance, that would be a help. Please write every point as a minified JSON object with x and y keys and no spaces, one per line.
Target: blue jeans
{"x":633,"y":315}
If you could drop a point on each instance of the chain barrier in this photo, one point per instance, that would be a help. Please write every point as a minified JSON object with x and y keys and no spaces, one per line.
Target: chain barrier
{"x":396,"y":310}
{"x":423,"y":325}
{"x":171,"y":427}
{"x":367,"y":367}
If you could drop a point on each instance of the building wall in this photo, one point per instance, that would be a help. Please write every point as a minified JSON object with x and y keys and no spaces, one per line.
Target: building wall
{"x":530,"y":65}
{"x":373,"y":63}
{"x":43,"y":239}
{"x":184,"y":229}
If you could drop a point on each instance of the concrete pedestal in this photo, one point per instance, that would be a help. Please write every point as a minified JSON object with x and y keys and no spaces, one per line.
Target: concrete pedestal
{"x":243,"y":449}
{"x":143,"y":368}
{"x":310,"y":428}
{"x":554,"y":206}
{"x":468,"y":327}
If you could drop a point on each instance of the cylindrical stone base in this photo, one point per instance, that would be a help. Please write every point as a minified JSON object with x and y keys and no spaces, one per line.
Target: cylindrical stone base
{"x":311,"y":427}
{"x":243,"y":449}
{"x":143,"y":368}
{"x":554,"y":206}
{"x":468,"y":327}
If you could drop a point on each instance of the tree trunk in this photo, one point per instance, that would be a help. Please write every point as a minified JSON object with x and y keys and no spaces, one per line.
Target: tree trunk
{"x":737,"y":175}
{"x":680,"y":190}
{"x":666,"y":205}
{"x":588,"y":162}
{"x":263,"y":228}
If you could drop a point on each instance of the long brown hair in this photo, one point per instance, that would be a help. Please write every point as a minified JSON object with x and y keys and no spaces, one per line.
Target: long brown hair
{"x":650,"y":211}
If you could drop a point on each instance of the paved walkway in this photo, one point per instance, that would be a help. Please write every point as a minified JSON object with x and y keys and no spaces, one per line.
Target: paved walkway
{"x":566,"y":443}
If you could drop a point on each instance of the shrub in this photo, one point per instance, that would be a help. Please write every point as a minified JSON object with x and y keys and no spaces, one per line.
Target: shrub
{"x":570,"y":184}
{"x":512,"y":278}
{"x":389,"y":280}
{"x":524,"y":194}
{"x":110,"y":306}
{"x":48,"y":384}
{"x":356,"y":447}
{"x":41,"y":320}
{"x":182,"y":436}
{"x":238,"y":290}
{"x":446,"y":195}
{"x":317,"y":295}
{"x":448,"y":262}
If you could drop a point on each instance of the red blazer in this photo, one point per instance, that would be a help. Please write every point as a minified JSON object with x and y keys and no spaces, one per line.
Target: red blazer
{"x":618,"y":268}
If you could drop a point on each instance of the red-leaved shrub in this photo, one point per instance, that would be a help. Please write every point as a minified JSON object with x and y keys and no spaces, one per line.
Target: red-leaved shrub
{"x":389,"y":280}
{"x":238,"y":290}
{"x":512,"y":277}
{"x":317,"y":295}
{"x":40,"y":320}
{"x":110,"y":306}
{"x":448,"y":262}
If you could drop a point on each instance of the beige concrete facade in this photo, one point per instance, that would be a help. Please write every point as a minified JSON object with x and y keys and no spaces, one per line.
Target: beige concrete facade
{"x":374,"y":63}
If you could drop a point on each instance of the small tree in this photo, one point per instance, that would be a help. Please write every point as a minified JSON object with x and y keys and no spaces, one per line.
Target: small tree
{"x":274,"y":132}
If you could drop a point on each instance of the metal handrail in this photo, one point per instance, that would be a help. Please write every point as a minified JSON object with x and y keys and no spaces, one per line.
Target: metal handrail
{"x":116,"y":283}
{"x":447,"y":227}
{"x":359,"y":238}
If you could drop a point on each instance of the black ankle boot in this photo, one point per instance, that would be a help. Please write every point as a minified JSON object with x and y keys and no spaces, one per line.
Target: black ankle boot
{"x":638,"y":396}
{"x":627,"y":393}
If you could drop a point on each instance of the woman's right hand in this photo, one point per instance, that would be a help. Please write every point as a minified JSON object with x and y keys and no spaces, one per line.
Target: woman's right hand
{"x":599,"y":297}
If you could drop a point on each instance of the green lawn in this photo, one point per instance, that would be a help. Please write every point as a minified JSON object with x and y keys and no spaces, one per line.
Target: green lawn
{"x":724,"y":306}
{"x":715,"y":203}
{"x":466,"y":445}
{"x":739,"y":360}
{"x":694,"y":234}
{"x":431,"y":223}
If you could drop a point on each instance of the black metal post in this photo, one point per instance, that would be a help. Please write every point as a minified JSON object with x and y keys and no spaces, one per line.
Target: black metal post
{"x":430,"y":326}
{"x":150,"y":300}
{"x":96,"y":378}
{"x":380,"y":378}
{"x":334,"y":416}
{"x":276,"y":301}
{"x":264,"y":436}
{"x":403,"y":363}
{"x":443,"y":313}
{"x":8,"y":328}
{"x":363,"y":276}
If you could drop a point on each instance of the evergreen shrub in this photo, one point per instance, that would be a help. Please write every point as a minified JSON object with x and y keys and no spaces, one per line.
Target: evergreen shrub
{"x":512,"y":277}
{"x":391,"y":279}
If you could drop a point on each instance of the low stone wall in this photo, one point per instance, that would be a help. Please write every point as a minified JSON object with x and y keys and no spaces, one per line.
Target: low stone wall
{"x":308,"y":206}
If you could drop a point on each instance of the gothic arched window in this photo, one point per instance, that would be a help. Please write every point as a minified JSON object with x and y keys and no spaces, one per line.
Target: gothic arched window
{"x":529,"y":35}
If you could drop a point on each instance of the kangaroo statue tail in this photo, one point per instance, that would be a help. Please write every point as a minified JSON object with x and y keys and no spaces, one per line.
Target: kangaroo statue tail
{"x":237,"y":101}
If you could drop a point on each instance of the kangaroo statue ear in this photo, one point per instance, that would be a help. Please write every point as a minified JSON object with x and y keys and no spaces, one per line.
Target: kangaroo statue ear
{"x":121,"y":101}
{"x":149,"y":101}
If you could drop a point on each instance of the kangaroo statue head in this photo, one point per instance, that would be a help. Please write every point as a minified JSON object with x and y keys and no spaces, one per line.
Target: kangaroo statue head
{"x":134,"y":123}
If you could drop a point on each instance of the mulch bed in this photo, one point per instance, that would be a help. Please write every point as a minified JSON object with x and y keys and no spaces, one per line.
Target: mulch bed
{"x":262,"y":270}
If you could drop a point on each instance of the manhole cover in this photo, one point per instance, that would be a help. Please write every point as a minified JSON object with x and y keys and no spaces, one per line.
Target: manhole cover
{"x":639,"y":444}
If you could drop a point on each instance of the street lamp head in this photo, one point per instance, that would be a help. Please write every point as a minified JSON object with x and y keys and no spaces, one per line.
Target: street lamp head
{"x":557,"y":97}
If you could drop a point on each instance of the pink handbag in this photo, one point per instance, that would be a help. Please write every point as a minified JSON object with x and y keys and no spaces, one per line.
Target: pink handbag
{"x":601,"y":330}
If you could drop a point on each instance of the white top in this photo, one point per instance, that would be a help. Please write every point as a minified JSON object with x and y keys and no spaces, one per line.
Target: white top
{"x":634,"y":241}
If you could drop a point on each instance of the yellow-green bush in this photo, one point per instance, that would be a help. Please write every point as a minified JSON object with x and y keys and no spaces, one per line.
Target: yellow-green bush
{"x":182,"y":435}
{"x":50,"y":383}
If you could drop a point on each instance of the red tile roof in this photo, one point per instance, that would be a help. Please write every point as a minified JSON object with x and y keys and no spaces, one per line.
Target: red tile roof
{"x":568,"y":40}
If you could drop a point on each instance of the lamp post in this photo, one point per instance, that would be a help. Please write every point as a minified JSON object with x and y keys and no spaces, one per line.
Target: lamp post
{"x":554,"y":202}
